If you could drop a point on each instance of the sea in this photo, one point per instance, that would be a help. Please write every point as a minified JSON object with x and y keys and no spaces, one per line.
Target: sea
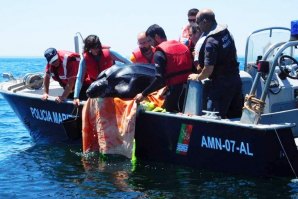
{"x":29,"y":170}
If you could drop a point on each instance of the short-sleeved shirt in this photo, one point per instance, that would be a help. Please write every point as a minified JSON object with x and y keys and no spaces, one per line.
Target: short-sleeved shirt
{"x":64,"y":74}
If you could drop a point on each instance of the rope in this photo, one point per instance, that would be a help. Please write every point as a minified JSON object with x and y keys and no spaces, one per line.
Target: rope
{"x":285,"y":153}
{"x":253,"y":104}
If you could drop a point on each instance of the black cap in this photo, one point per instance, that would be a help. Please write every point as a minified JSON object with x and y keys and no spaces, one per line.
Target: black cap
{"x":51,"y":55}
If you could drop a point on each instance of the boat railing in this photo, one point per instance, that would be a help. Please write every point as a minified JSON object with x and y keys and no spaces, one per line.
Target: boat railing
{"x":270,"y":29}
{"x":273,"y":65}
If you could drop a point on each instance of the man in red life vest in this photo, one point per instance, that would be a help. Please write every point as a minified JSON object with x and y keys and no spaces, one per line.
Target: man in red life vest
{"x":62,"y":67}
{"x":143,"y":54}
{"x":173,"y":65}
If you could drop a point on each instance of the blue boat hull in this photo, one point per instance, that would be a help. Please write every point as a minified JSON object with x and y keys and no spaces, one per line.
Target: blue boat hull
{"x":214,"y":145}
{"x":43,"y":119}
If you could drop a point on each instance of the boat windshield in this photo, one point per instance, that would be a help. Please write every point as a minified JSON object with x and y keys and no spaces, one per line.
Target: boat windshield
{"x":260,"y":41}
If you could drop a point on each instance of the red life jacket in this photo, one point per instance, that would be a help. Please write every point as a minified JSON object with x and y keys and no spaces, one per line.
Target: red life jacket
{"x":93,"y":67}
{"x":179,"y":63}
{"x":140,"y":58}
{"x":60,"y":73}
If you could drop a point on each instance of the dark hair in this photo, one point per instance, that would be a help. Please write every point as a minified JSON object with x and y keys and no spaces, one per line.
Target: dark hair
{"x":156,"y":30}
{"x":92,"y":41}
{"x":192,"y":12}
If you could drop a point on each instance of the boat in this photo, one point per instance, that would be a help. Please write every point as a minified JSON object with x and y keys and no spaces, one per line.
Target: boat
{"x":43,"y":119}
{"x":263,"y":142}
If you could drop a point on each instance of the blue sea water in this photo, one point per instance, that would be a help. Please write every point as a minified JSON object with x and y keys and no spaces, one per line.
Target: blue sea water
{"x":28,"y":170}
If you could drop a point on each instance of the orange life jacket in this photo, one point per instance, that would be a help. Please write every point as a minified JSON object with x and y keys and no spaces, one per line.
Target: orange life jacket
{"x":140,"y":58}
{"x":179,"y":63}
{"x":93,"y":67}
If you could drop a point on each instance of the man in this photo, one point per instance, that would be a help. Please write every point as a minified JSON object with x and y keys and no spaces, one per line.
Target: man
{"x":191,"y":15}
{"x":173,"y":65}
{"x":62,"y":67}
{"x":144,"y":54}
{"x":218,"y":62}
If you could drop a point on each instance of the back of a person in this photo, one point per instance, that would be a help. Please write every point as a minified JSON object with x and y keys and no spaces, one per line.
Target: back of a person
{"x":179,"y":62}
{"x":226,"y":61}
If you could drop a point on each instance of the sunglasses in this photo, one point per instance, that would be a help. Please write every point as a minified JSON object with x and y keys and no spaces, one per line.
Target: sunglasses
{"x":192,"y":20}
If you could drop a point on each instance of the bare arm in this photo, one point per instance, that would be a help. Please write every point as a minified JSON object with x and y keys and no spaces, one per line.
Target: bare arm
{"x":46,"y":83}
{"x":69,"y":87}
{"x":206,"y":72}
{"x":117,"y":57}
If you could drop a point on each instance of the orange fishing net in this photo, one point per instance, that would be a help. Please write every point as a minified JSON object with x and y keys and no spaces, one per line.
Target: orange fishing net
{"x":109,"y":124}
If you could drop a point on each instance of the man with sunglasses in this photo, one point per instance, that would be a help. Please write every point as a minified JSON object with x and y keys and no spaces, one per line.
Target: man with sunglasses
{"x":218,"y":62}
{"x":62,"y":66}
{"x":191,"y":15}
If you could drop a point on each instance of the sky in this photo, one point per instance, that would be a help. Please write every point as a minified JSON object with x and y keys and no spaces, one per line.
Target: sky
{"x":29,"y":27}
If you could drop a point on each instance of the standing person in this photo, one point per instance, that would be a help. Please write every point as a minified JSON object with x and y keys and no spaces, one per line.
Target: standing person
{"x":173,"y":65}
{"x":143,"y":54}
{"x":62,"y":67}
{"x":95,"y":60}
{"x":218,"y":62}
{"x":191,"y":15}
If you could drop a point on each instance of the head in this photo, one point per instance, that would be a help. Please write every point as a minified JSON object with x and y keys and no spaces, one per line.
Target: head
{"x":98,"y":88}
{"x":51,"y":55}
{"x":144,"y":43}
{"x":92,"y":45}
{"x":194,"y":33}
{"x":191,"y":15}
{"x":205,"y":20}
{"x":156,"y":34}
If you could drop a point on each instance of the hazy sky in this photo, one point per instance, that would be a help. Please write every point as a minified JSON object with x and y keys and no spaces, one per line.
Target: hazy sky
{"x":28,"y":27}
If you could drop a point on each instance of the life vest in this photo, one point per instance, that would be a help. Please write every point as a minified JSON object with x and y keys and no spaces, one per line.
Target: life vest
{"x":179,"y":63}
{"x":60,"y":73}
{"x":226,"y":64}
{"x":94,"y":67}
{"x":140,"y":58}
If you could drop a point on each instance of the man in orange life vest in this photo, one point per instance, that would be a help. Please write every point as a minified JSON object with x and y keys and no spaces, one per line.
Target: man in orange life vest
{"x":173,"y":65}
{"x":143,"y":54}
{"x":62,"y":67}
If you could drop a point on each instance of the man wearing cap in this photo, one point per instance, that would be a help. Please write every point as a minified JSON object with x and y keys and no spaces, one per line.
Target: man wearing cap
{"x":62,"y":67}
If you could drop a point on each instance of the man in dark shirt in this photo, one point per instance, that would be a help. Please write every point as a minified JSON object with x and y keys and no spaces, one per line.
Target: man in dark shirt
{"x":173,"y":65}
{"x":218,"y":62}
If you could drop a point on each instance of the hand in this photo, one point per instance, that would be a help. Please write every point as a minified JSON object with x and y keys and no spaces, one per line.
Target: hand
{"x":139,"y":97}
{"x":59,"y":99}
{"x":76,"y":102}
{"x":45,"y":96}
{"x":193,"y":77}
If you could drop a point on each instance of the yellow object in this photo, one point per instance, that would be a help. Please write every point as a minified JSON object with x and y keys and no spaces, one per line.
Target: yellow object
{"x":158,"y":109}
{"x":148,"y":106}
